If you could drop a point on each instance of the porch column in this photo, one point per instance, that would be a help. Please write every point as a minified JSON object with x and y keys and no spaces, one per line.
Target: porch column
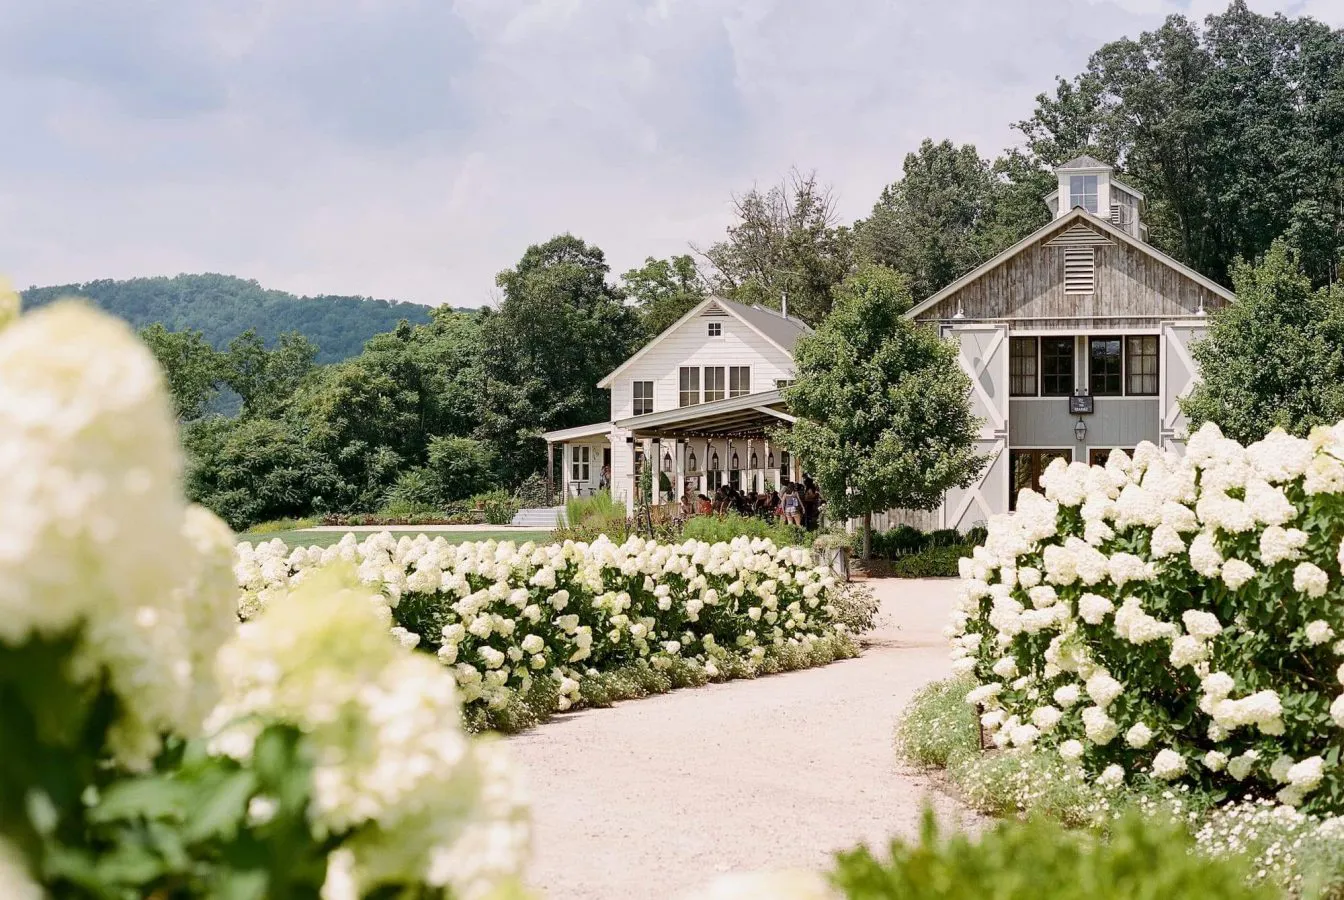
{"x":679,"y":467}
{"x":655,"y":472}
{"x":550,"y":472}
{"x":564,"y":472}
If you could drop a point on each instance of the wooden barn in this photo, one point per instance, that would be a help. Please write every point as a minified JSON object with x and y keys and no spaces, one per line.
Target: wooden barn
{"x":1076,"y":340}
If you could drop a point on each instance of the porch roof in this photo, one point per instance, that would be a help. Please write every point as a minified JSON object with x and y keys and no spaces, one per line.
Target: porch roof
{"x":578,"y":432}
{"x":749,"y":414}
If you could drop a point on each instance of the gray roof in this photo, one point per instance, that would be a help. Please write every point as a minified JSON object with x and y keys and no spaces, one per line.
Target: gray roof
{"x":1085,"y":162}
{"x":769,"y":322}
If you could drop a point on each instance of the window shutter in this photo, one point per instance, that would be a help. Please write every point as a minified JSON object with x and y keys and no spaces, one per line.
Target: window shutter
{"x":1116,"y":214}
{"x":1080,"y":270}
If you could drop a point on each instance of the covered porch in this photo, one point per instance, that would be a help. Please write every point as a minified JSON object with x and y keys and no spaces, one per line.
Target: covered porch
{"x":585,"y":461}
{"x":696,"y":449}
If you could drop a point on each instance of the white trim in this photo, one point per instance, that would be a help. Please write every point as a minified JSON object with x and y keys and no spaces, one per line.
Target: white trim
{"x":1079,"y":332}
{"x":726,"y":306}
{"x":1073,"y":215}
{"x":567,"y":435}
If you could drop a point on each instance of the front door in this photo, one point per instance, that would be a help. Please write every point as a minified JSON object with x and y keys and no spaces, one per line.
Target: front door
{"x":1027,"y":466}
{"x":1098,"y":456}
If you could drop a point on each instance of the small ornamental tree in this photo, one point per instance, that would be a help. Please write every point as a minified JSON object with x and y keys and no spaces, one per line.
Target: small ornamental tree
{"x":883,"y":420}
{"x":1273,"y":359}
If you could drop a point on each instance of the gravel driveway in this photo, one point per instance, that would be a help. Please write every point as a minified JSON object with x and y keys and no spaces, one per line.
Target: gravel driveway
{"x":656,"y":796}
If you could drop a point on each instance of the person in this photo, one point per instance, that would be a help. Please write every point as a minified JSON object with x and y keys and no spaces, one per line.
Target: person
{"x":811,"y":503}
{"x":706,"y":505}
{"x":772,"y":506}
{"x":604,"y":478}
{"x":793,"y":505}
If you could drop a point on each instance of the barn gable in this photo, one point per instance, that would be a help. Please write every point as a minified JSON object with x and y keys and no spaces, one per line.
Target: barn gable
{"x":1079,"y":271}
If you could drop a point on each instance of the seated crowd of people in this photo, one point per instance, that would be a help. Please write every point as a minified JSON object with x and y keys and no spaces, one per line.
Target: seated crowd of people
{"x":793,"y":503}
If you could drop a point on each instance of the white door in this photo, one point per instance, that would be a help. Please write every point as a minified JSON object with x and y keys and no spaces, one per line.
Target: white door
{"x":1178,"y":374}
{"x":983,"y":355}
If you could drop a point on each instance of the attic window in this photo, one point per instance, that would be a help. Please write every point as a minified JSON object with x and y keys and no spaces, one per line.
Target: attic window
{"x":1080,"y":270}
{"x":715,"y":329}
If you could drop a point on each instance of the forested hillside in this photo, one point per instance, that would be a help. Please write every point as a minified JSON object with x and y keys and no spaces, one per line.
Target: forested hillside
{"x":222,"y":307}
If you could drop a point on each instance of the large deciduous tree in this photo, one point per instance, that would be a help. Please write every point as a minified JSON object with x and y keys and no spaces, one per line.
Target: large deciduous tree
{"x":191,"y":367}
{"x":944,"y":216}
{"x":664,"y":290}
{"x":883,"y":419}
{"x":1275,"y":358}
{"x":786,"y":246}
{"x":1233,"y":130}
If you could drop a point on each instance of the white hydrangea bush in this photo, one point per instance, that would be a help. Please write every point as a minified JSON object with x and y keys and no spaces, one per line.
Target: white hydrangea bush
{"x":503,"y":615}
{"x":143,"y":730}
{"x":1172,"y":616}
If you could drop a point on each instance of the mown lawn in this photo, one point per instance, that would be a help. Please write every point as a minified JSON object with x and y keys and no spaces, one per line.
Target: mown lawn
{"x":327,"y":538}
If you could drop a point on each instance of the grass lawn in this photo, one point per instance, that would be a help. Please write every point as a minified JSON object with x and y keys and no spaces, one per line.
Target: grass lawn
{"x":327,"y":538}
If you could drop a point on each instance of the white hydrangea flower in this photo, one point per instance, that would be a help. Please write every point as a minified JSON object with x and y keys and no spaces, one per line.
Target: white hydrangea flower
{"x":1112,"y":776}
{"x":1318,"y":632}
{"x":1046,"y":718}
{"x":1138,"y":735}
{"x":1278,"y":544}
{"x":1168,"y":765}
{"x":1099,"y":727}
{"x":1166,"y":542}
{"x":1187,"y":650}
{"x":1310,"y":579}
{"x":1005,"y":668}
{"x":1239,"y":767}
{"x":1071,"y":750}
{"x":1237,"y":572}
{"x":1103,"y":689}
{"x":1204,"y":556}
{"x":1201,"y":624}
{"x":1337,"y":710}
{"x":1067,"y":695}
{"x":1094,"y":608}
{"x":1215,"y":761}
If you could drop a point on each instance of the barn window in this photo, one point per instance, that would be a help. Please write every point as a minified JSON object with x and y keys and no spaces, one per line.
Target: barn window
{"x":1141,"y":365}
{"x":1022,"y":367}
{"x":1057,"y":366}
{"x":1083,"y":192}
{"x":1080,"y":270}
{"x":715,"y":329}
{"x":1105,"y":370}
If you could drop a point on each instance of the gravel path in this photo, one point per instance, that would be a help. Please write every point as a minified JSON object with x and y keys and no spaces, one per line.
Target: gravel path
{"x":656,"y":796}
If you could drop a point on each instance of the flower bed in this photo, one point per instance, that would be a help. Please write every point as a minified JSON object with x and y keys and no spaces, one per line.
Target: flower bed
{"x":531,"y":628}
{"x":1171,"y":616}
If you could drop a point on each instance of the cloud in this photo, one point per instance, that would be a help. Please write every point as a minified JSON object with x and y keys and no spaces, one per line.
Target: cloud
{"x":413,"y":148}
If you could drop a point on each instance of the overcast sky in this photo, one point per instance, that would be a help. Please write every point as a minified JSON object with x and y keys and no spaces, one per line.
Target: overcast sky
{"x":410,"y":149}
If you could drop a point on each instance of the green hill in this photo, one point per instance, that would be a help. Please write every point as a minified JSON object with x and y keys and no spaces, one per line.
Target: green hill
{"x":223,"y":307}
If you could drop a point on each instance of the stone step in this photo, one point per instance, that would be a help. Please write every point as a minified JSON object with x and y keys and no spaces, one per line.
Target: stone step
{"x":545,"y":517}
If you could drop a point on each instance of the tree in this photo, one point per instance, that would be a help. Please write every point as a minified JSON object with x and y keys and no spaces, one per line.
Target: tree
{"x":1234,"y":132}
{"x":883,"y":420}
{"x":191,"y":367}
{"x":1273,"y":359}
{"x":461,"y":467}
{"x":559,"y":330}
{"x":786,"y":247}
{"x":942,"y":218}
{"x":265,"y":378}
{"x":664,"y":290}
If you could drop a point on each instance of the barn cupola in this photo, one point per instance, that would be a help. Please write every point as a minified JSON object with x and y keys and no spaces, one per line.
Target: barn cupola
{"x":1091,"y":184}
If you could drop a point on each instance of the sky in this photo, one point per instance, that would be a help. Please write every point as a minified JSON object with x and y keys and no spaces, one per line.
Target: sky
{"x":411,"y":149}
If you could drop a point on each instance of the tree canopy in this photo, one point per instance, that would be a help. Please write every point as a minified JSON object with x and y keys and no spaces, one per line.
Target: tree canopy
{"x":883,"y":416}
{"x":1273,"y":359}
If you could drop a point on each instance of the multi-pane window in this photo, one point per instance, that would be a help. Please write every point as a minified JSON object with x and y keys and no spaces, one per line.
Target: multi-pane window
{"x":1141,"y":365}
{"x":1022,"y":367}
{"x":690,"y":385}
{"x":1083,"y":192}
{"x":739,"y":380}
{"x":643,"y":397}
{"x":713,"y":383}
{"x":580,"y":464}
{"x":1105,"y":376}
{"x":1056,"y":366}
{"x":716,"y":329}
{"x":1026,"y":467}
{"x":781,"y":383}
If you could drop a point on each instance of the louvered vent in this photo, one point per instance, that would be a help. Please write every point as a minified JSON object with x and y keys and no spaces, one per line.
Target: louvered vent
{"x":1115,"y":214}
{"x":1080,"y":270}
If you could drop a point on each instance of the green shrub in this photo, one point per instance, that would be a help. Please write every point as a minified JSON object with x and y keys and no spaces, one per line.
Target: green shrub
{"x":413,"y":493}
{"x":1040,"y":860}
{"x":945,"y":537}
{"x":714,"y":529}
{"x":899,"y":541}
{"x":934,"y":562}
{"x":497,"y":507}
{"x":856,"y":607}
{"x":938,"y":724}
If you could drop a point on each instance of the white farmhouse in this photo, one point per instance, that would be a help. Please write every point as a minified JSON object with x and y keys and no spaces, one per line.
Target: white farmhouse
{"x":698,"y":401}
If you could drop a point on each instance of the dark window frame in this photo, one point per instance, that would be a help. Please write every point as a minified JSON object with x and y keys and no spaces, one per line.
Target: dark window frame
{"x":1037,"y":460}
{"x":714,"y":329}
{"x":720,"y":379}
{"x":689,"y":386}
{"x":1057,"y":383}
{"x":1155,"y":356}
{"x":1017,"y":380}
{"x":641,"y":395}
{"x":1107,"y":376}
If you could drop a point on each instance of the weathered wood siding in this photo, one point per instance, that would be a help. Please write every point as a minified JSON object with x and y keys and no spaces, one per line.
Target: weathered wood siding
{"x":1132,"y":289}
